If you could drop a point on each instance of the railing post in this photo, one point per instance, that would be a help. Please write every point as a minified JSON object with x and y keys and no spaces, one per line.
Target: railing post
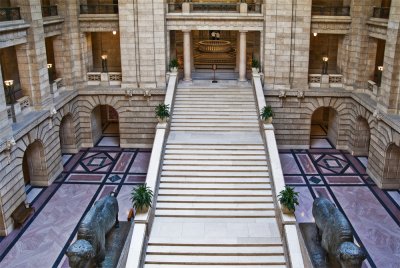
{"x":186,"y":7}
{"x":243,"y":8}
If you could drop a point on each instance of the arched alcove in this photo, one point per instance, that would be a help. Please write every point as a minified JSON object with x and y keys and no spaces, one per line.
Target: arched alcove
{"x":392,"y":163}
{"x":34,"y":165}
{"x":105,"y":126}
{"x":361,"y":137}
{"x":67,"y":135}
{"x":324,"y":123}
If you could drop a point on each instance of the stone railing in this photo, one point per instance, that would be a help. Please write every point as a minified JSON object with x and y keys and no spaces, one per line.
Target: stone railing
{"x":214,"y":7}
{"x":21,"y":105}
{"x":330,"y":11}
{"x":9,"y":13}
{"x":99,"y":78}
{"x":143,"y":221}
{"x":325,"y":80}
{"x":48,"y":11}
{"x":219,"y":46}
{"x":288,"y":226}
{"x":381,"y":12}
{"x":373,"y":89}
{"x":99,"y":9}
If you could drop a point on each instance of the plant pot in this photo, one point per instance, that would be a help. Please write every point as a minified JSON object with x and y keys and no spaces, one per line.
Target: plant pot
{"x":143,"y":210}
{"x":162,"y":121}
{"x":285,"y":209}
{"x":174,"y":69}
{"x":268,"y":120}
{"x":255,"y":70}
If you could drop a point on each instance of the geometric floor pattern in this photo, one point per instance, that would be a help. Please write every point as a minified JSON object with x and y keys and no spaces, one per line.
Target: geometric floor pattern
{"x":373,"y":213}
{"x":88,"y":175}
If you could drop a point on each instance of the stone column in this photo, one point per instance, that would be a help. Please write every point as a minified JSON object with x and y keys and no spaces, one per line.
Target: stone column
{"x":186,"y":56}
{"x":237,"y":52}
{"x":389,"y":101}
{"x":31,"y":57}
{"x":242,"y":56}
{"x":5,"y":129}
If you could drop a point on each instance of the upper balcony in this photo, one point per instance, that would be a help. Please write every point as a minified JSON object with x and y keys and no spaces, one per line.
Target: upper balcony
{"x":99,"y":17}
{"x":378,"y":22}
{"x":12,"y":27}
{"x":330,"y":19}
{"x":52,"y":22}
{"x":216,"y":6}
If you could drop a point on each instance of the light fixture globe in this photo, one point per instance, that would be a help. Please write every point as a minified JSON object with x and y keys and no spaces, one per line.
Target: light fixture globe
{"x":380,"y":68}
{"x":9,"y":83}
{"x":325,"y":59}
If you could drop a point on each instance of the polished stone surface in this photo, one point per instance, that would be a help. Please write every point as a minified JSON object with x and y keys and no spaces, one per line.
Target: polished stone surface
{"x":373,"y":213}
{"x":88,"y":175}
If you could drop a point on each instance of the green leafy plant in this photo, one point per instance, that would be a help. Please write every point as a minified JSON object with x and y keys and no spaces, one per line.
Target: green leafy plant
{"x":174,"y":63}
{"x":162,"y":111}
{"x":141,"y":197}
{"x":255,"y":63}
{"x":289,"y":198}
{"x":266,"y":112}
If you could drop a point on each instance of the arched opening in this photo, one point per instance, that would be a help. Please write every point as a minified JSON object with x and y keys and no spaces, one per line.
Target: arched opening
{"x":34,"y":165}
{"x":361,"y":137}
{"x":324,"y":128}
{"x":105,"y":126}
{"x":67,"y":135}
{"x":392,"y":164}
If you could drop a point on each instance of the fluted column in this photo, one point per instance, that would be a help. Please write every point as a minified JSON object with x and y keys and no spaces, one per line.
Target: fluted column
{"x":242,"y":55}
{"x":187,"y":66}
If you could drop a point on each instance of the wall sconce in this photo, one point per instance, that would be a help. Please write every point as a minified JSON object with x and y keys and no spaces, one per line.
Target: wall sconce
{"x":104,"y":63}
{"x":315,"y":34}
{"x":49,"y":65}
{"x":50,"y":71}
{"x":10,"y":92}
{"x":10,"y":143}
{"x":324,"y":65}
{"x":380,"y":70}
{"x":114,"y":32}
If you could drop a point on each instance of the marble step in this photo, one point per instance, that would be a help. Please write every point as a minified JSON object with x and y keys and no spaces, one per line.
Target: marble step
{"x":216,"y":250}
{"x":211,"y":241}
{"x":207,"y":129}
{"x":214,"y":101}
{"x":216,"y":109}
{"x":237,"y":163}
{"x":212,"y":266}
{"x":215,"y":146}
{"x":213,"y":98}
{"x":214,"y":180}
{"x":197,"y":121}
{"x":214,"y":157}
{"x":194,"y":192}
{"x":215,"y":168}
{"x":213,"y":117}
{"x":228,"y":151}
{"x":215,"y":199}
{"x":231,"y":174}
{"x":213,"y":260}
{"x":213,"y":186}
{"x":211,"y":213}
{"x":188,"y":112}
{"x":241,"y":124}
{"x":216,"y":206}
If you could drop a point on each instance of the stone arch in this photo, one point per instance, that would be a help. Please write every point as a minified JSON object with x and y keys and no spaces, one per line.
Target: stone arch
{"x":67,"y":134}
{"x":34,"y":165}
{"x":361,"y":136}
{"x":327,"y":118}
{"x":391,"y":171}
{"x":104,"y":121}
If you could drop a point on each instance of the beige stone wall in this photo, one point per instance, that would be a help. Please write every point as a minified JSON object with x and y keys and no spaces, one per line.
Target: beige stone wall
{"x":323,"y":45}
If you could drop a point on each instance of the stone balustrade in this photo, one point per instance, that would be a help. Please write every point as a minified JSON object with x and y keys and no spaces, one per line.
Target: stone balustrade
{"x":99,"y":78}
{"x":325,"y":80}
{"x":10,"y":13}
{"x":214,"y":7}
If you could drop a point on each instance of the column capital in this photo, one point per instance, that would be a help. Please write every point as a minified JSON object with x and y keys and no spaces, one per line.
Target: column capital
{"x":243,"y":31}
{"x":186,"y":31}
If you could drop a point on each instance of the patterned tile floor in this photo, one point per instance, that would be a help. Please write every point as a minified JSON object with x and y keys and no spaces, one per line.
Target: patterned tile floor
{"x":374,"y":214}
{"x":88,"y":175}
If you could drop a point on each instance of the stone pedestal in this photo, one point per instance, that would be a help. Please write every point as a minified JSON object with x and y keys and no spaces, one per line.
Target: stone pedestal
{"x":324,"y":81}
{"x":187,"y":66}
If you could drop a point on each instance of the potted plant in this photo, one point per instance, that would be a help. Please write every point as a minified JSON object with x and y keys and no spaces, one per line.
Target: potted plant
{"x":173,"y":65}
{"x":267,"y":114}
{"x":162,"y":112}
{"x":288,"y":199}
{"x":255,"y":66}
{"x":141,"y":197}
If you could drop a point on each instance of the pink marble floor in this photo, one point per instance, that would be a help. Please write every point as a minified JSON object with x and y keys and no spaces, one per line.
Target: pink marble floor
{"x":373,"y":213}
{"x":88,"y":176}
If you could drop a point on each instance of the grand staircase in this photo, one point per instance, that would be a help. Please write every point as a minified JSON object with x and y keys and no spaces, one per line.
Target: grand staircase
{"x":214,"y":206}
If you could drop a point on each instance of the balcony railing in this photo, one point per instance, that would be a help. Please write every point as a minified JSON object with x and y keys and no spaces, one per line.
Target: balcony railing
{"x":215,"y":7}
{"x":175,"y":8}
{"x":254,"y":8}
{"x":381,"y":12}
{"x":9,"y":13}
{"x":99,"y":9}
{"x":48,"y":11}
{"x":330,"y":11}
